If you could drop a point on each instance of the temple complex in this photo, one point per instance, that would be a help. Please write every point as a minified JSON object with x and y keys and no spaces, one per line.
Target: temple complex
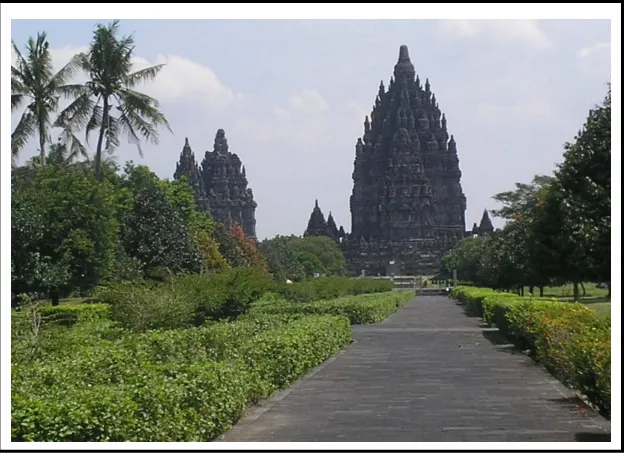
{"x":220,"y":184}
{"x":407,"y":204}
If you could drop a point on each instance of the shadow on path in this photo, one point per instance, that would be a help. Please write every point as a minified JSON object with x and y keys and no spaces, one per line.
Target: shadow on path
{"x":426,"y":374}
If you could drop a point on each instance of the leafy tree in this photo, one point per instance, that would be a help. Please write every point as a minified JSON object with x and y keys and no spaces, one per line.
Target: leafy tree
{"x":33,"y":79}
{"x":228,"y":247}
{"x":585,"y":181}
{"x":155,"y":231}
{"x":69,"y":224}
{"x":322,"y":247}
{"x":109,"y":102}
{"x":252,"y":256}
{"x":281,"y":260}
{"x":466,"y":258}
{"x":212,"y":260}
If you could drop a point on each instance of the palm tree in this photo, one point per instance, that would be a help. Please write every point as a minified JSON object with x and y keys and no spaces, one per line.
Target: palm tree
{"x":108,"y":101}
{"x":33,"y":79}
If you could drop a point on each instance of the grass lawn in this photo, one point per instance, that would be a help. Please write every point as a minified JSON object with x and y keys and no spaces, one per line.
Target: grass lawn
{"x":602,"y":309}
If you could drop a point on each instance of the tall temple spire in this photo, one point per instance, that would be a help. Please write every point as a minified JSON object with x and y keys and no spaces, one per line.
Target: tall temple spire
{"x":404,"y":68}
{"x":220,"y":142}
{"x":407,"y":193}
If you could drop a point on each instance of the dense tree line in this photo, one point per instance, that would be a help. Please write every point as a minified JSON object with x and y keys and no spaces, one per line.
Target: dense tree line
{"x":79,"y":221}
{"x":558,"y":228}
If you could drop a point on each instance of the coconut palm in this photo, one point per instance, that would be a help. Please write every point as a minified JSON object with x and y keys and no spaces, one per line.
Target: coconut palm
{"x":108,"y":101}
{"x":33,"y":80}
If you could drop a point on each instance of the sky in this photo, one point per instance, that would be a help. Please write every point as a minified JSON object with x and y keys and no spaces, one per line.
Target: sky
{"x":291,"y":96}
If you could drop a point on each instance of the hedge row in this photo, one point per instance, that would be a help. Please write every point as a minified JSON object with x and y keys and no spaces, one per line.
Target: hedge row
{"x":97,"y":382}
{"x":190,"y":300}
{"x":331,"y":287}
{"x":364,"y":309}
{"x":568,"y":339}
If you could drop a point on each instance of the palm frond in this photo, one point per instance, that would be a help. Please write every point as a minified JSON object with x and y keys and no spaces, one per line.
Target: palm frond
{"x":144,"y":106}
{"x":74,"y":147}
{"x":77,"y":114}
{"x":144,"y":75}
{"x":65,"y":74}
{"x":95,"y":121}
{"x":25,"y":128}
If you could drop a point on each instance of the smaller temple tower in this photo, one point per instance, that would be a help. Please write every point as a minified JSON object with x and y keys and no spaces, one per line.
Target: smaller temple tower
{"x":485,"y":226}
{"x":220,"y":184}
{"x":318,"y":226}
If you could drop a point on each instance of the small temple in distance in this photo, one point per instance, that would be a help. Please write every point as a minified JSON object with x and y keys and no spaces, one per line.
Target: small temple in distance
{"x":317,"y":226}
{"x":220,"y":184}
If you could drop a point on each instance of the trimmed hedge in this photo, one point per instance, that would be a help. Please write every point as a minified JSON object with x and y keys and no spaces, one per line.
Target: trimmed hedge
{"x":324,"y":288}
{"x":364,"y":309}
{"x":569,"y":340}
{"x":183,"y":385}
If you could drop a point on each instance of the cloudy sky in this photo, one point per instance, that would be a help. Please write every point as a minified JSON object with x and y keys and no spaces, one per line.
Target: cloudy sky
{"x":292,"y":96}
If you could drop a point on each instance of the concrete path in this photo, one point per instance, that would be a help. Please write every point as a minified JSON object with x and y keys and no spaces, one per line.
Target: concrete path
{"x":429,"y":373}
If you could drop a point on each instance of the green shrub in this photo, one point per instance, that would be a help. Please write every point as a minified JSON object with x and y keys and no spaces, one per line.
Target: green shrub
{"x":141,"y":306}
{"x":569,"y":340}
{"x":182,"y":385}
{"x":284,"y":354}
{"x":227,"y":294}
{"x":332,"y":287}
{"x":363,"y":309}
{"x":72,"y":313}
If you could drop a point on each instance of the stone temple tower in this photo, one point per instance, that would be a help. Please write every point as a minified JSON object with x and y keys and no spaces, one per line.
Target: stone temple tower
{"x":407,"y":204}
{"x":220,"y":184}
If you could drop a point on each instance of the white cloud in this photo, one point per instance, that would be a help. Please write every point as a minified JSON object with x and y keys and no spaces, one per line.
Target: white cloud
{"x":181,"y":79}
{"x":589,"y":50}
{"x":526,"y":30}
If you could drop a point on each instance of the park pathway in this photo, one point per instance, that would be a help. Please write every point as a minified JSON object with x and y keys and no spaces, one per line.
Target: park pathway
{"x":429,"y":373}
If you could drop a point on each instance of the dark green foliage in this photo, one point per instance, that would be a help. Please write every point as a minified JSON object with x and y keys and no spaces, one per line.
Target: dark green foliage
{"x":65,"y":231}
{"x":155,"y":231}
{"x":318,"y":254}
{"x":585,"y":181}
{"x":281,"y":260}
{"x":226,"y":294}
{"x":142,"y":306}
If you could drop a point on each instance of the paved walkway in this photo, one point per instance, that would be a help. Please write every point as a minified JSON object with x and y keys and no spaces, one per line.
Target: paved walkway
{"x":429,"y":373}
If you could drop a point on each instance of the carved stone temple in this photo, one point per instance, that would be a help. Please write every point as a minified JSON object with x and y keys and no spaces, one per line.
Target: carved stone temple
{"x":318,"y":226}
{"x":407,"y":204}
{"x":220,"y":184}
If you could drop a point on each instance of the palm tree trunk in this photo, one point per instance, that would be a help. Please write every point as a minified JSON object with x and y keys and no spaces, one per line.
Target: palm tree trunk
{"x":98,"y":151}
{"x":42,"y":138}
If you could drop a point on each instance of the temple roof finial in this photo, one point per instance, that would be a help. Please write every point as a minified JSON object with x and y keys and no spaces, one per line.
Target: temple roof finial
{"x":404,"y":54}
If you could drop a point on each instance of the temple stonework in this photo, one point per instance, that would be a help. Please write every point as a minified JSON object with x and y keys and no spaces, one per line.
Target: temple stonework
{"x":484,"y":228}
{"x":318,"y":226}
{"x":220,"y":185}
{"x":407,"y":204}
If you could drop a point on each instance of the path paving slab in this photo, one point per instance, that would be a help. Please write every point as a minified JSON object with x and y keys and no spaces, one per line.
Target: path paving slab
{"x":429,"y":373}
